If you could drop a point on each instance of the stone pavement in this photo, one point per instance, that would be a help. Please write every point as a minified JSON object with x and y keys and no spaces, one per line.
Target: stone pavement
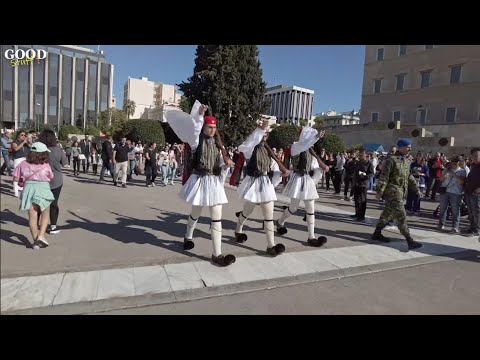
{"x":122,"y":248}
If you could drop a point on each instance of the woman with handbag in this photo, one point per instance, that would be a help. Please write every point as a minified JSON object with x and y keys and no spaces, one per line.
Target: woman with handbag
{"x":20,"y":150}
{"x":451,"y":193}
{"x":34,"y":176}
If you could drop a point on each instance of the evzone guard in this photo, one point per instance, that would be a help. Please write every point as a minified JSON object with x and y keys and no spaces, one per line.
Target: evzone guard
{"x":264,"y":172}
{"x":208,"y":162}
{"x":307,"y":171}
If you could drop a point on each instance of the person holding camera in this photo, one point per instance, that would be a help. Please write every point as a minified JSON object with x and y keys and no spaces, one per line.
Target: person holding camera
{"x":451,"y":193}
{"x":20,"y":150}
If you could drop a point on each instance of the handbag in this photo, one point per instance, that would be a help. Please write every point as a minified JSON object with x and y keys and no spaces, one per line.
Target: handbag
{"x":82,"y":157}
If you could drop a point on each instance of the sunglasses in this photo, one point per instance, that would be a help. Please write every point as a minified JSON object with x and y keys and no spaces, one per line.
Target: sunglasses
{"x":211,"y":127}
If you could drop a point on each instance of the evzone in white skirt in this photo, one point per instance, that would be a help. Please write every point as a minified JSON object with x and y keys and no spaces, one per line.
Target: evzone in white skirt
{"x":207,"y":190}
{"x":260,"y":189}
{"x":303,"y":188}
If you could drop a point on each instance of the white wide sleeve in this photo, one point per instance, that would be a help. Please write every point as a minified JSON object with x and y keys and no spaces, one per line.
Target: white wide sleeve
{"x":308,"y":137}
{"x":186,"y":127}
{"x":317,"y":171}
{"x":253,"y":140}
{"x":277,"y":174}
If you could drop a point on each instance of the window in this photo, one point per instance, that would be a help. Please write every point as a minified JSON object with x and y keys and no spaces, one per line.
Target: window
{"x":374,"y":116}
{"x":400,"y":82}
{"x":428,"y":47}
{"x":455,"y":73}
{"x":380,"y":54}
{"x":451,"y":114}
{"x":426,"y":76}
{"x":396,"y":116}
{"x":402,"y":50}
{"x":422,"y":116}
{"x":377,"y":85}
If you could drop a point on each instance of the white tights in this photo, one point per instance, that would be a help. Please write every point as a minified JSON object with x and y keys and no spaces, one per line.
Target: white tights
{"x":267,"y":210}
{"x":310,"y":210}
{"x":216,"y":226}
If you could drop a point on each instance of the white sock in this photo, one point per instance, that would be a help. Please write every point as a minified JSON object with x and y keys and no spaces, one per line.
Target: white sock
{"x":192,"y":221}
{"x":310,"y":209}
{"x":267,"y":210}
{"x":289,"y":211}
{"x":216,"y":230}
{"x":248,"y":208}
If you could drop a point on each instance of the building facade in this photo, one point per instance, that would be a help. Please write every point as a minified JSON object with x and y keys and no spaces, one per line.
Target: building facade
{"x":289,"y":104}
{"x":421,"y":84}
{"x":72,"y":85}
{"x":148,"y":95}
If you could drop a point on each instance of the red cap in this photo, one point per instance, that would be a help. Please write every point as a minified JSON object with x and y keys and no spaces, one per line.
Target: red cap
{"x":210,"y":120}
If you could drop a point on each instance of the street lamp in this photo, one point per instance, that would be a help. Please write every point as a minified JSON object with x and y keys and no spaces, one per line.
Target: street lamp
{"x":37,"y":122}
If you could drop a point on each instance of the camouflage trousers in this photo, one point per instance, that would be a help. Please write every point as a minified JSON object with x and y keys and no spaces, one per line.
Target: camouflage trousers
{"x":394,"y":210}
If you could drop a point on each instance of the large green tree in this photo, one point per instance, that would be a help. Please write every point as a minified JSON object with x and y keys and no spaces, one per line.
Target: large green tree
{"x":144,"y":130}
{"x":283,"y":136}
{"x":229,"y":78}
{"x":112,"y":121}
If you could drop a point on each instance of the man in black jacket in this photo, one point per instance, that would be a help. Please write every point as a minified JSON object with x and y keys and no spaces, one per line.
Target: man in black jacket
{"x":107,"y":157}
{"x":86,"y":147}
{"x":362,"y":172}
{"x":348,"y":181}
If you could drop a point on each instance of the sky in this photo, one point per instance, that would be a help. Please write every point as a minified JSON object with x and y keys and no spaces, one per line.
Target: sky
{"x":334,"y":72}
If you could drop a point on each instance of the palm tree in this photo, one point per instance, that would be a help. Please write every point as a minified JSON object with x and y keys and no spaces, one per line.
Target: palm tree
{"x":129,"y":108}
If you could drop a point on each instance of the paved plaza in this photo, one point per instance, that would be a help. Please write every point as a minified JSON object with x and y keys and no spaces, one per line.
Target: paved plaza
{"x":122,"y":248}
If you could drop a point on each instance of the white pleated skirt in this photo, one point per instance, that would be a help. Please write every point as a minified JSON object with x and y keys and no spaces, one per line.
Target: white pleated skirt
{"x":258,"y":189}
{"x":301,"y":187}
{"x":207,"y":190}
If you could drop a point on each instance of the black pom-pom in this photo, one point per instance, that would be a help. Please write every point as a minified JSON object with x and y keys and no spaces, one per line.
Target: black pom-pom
{"x":280,"y":248}
{"x":188,"y":244}
{"x":240,"y":237}
{"x":229,"y":259}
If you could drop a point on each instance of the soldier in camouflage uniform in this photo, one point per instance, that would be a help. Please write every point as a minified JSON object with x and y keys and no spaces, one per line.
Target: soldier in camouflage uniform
{"x":393,"y":186}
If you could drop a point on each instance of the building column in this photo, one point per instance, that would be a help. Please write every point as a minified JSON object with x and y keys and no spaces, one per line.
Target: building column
{"x":60,"y":92}
{"x":295,"y":99}
{"x":45,"y":91}
{"x":72,"y":106}
{"x":15,"y":98}
{"x":110,"y":87}
{"x":32,"y":93}
{"x":97,"y":105}
{"x":85,"y":94}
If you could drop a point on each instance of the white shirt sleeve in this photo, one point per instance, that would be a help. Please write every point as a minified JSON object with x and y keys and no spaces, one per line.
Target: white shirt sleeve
{"x":253,"y":140}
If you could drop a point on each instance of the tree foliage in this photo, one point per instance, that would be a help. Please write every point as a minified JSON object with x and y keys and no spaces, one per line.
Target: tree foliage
{"x":229,"y":78}
{"x":283,"y":136}
{"x":332,"y":143}
{"x":144,"y":130}
{"x":355,"y":148}
{"x":112,"y":121}
{"x":129,"y":108}
{"x":65,"y":130}
{"x":319,"y":120}
{"x":185,"y":105}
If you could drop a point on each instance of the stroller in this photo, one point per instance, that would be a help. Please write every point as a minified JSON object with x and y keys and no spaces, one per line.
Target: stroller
{"x":463,"y":211}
